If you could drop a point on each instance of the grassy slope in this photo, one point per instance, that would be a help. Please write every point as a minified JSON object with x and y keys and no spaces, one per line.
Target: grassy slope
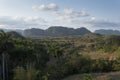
{"x":97,"y":76}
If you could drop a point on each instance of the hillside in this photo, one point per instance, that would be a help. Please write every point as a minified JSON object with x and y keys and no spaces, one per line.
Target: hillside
{"x":55,"y":31}
{"x":96,"y":76}
{"x":16,"y":30}
{"x":15,"y":34}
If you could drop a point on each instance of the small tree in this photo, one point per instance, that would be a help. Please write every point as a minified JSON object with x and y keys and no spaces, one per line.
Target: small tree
{"x":20,"y":73}
{"x":87,"y":77}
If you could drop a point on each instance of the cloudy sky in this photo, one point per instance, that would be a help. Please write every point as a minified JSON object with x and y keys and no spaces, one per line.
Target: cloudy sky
{"x":92,"y":14}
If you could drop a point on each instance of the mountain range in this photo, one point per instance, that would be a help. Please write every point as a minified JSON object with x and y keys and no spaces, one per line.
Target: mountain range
{"x":60,"y":31}
{"x":56,"y":31}
{"x":108,"y":32}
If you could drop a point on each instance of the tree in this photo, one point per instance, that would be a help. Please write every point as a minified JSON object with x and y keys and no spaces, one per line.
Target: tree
{"x":5,"y":45}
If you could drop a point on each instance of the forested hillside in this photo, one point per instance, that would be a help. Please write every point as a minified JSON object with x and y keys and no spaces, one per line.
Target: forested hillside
{"x":55,"y":58}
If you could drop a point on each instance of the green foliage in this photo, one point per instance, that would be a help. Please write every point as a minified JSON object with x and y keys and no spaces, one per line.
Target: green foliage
{"x":102,"y":65}
{"x":87,"y":77}
{"x":20,"y":73}
{"x":45,"y":77}
{"x":29,"y":74}
{"x":6,"y":42}
{"x":117,"y":52}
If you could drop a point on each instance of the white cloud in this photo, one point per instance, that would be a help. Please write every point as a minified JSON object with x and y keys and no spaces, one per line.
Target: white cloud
{"x":21,"y":22}
{"x":104,"y":24}
{"x":38,"y":22}
{"x":70,"y":14}
{"x":68,"y":11}
{"x":90,"y":24}
{"x":30,"y":19}
{"x":59,"y":17}
{"x":93,"y":18}
{"x":49,"y":7}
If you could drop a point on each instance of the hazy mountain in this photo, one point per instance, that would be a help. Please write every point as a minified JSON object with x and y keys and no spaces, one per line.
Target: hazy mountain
{"x":15,"y":34}
{"x":34,"y":32}
{"x":56,"y":31}
{"x":16,"y":30}
{"x":112,"y":32}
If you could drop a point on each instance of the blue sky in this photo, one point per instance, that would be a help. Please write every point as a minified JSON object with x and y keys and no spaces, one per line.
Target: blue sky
{"x":92,"y":14}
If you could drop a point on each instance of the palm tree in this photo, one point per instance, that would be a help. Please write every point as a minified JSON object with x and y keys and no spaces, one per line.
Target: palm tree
{"x":5,"y":46}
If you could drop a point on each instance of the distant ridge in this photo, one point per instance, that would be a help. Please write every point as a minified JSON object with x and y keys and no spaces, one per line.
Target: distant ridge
{"x":55,"y":31}
{"x":109,"y":32}
{"x":15,"y":34}
{"x":60,"y":31}
{"x":16,"y":30}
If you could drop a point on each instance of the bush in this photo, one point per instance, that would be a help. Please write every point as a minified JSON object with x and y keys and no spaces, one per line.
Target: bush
{"x":87,"y":77}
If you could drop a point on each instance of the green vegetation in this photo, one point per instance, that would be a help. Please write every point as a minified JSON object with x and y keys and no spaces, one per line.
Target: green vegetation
{"x":95,"y":76}
{"x":87,"y":77}
{"x":54,"y":58}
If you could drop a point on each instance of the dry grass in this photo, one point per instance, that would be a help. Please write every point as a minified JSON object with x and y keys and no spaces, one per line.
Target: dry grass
{"x":96,"y":55}
{"x":97,"y":76}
